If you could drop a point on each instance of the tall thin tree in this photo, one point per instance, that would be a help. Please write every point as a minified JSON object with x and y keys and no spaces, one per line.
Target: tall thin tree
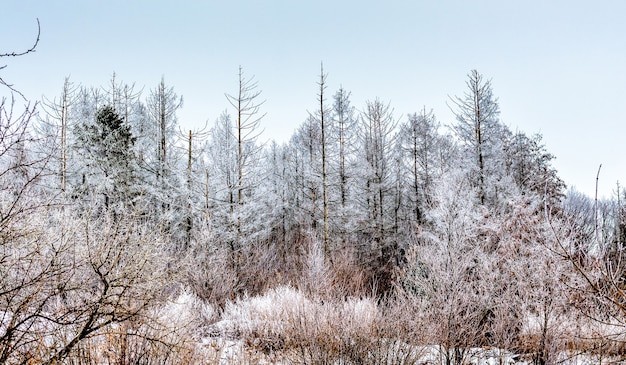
{"x":247,"y":130}
{"x":323,"y":113}
{"x":59,"y":111}
{"x":477,"y":116}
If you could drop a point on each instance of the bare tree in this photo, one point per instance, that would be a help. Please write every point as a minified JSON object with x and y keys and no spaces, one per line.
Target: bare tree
{"x":60,"y":111}
{"x":76,"y":280}
{"x":322,"y":116}
{"x":118,"y":278}
{"x":446,"y":268}
{"x":197,"y":182}
{"x":419,"y":140}
{"x":223,"y":151}
{"x":344,"y":125}
{"x":163,"y":103}
{"x":477,"y":116}
{"x":378,"y":140}
{"x":247,"y":130}
{"x":587,"y":237}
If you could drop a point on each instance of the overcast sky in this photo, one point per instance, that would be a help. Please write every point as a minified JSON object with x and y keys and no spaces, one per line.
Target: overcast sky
{"x":557,"y":67}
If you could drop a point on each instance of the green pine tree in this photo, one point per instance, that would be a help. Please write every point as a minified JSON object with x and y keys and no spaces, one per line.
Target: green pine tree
{"x":107,"y":145}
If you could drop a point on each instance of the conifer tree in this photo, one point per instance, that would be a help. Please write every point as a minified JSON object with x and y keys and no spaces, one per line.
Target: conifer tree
{"x":107,"y":145}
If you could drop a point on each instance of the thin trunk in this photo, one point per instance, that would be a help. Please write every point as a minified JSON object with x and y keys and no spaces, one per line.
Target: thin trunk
{"x":284,"y":199}
{"x":163,"y":121}
{"x":189,"y":221}
{"x":479,"y":142}
{"x":342,"y":165}
{"x":240,"y":141}
{"x":595,"y":208}
{"x":324,"y":182}
{"x":64,"y":107}
{"x":415,"y":173}
{"x":207,"y":212}
{"x":312,"y":183}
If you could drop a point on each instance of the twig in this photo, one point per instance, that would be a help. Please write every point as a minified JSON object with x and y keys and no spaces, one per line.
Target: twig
{"x":30,"y":50}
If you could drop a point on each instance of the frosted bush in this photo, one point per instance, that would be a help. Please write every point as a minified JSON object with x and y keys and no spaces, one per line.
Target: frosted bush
{"x":285,"y":318}
{"x":185,"y":310}
{"x":265,"y":313}
{"x":359,"y":314}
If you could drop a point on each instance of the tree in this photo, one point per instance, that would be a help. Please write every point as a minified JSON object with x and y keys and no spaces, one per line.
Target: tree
{"x":70,"y":280}
{"x":122,"y":98}
{"x":529,"y":165}
{"x":161,"y":160}
{"x":344,"y":133}
{"x":446,"y":269}
{"x":61,"y":126}
{"x":162,"y":106}
{"x":107,"y":144}
{"x":197,"y":185}
{"x":322,"y":115}
{"x":308,"y":140}
{"x":419,"y":140}
{"x":247,"y":130}
{"x":587,"y":237}
{"x":378,"y":138}
{"x":223,"y":150}
{"x":478,"y":128}
{"x":532,"y":277}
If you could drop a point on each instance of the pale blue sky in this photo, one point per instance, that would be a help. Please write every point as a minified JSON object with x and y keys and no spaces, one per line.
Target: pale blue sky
{"x":557,"y":67}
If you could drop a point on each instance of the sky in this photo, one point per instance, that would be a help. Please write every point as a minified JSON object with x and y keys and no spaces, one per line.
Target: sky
{"x":558,"y":68}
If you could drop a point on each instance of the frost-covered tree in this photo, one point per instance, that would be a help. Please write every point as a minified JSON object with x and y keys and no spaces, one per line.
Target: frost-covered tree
{"x":377,"y":133}
{"x":378,"y":144}
{"x":247,"y":129}
{"x":323,"y":114}
{"x":478,"y":128}
{"x":197,"y":184}
{"x":58,"y":127}
{"x":344,"y":134}
{"x":344,"y":130}
{"x":306,"y":142}
{"x":419,"y":138}
{"x":224,"y":153}
{"x":530,"y":166}
{"x":121,"y":97}
{"x":161,"y":160}
{"x":107,"y":146}
{"x":223,"y":150}
{"x":162,"y":105}
{"x":447,"y":269}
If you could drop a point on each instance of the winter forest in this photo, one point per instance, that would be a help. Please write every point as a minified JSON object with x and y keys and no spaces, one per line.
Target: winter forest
{"x":369,"y":237}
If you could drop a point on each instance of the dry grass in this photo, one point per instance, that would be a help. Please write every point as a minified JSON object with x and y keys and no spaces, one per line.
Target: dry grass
{"x":285,"y":324}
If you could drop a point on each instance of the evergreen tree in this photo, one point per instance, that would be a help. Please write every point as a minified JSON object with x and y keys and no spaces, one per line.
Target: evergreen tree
{"x":107,"y":146}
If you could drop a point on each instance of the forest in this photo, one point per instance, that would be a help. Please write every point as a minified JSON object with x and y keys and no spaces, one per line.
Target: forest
{"x":367,"y":238}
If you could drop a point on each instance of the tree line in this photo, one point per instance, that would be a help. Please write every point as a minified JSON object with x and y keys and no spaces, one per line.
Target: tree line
{"x":108,"y":204}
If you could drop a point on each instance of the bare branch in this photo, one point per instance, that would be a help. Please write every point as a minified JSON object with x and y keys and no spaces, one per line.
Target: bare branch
{"x":17,"y":54}
{"x":30,"y":50}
